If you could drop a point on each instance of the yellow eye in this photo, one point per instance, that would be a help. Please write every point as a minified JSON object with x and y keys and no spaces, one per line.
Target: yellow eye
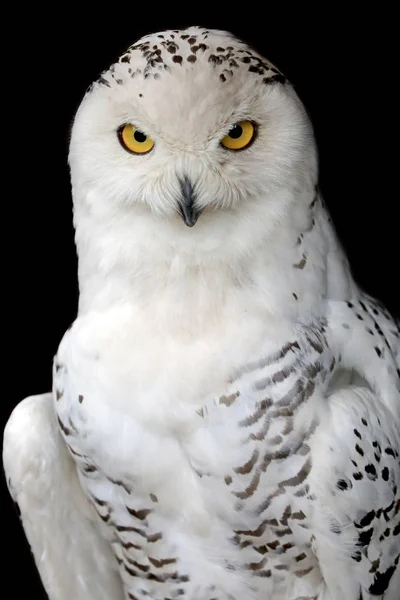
{"x":240,"y":136}
{"x":134,"y":140}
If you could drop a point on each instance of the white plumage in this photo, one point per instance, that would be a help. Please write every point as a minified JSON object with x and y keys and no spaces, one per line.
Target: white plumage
{"x":228,"y":399}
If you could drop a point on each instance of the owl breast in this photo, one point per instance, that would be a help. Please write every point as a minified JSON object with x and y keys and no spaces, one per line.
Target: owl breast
{"x":201,"y":495}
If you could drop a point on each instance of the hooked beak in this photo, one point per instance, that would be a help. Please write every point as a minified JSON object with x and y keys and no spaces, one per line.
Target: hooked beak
{"x":188,"y":211}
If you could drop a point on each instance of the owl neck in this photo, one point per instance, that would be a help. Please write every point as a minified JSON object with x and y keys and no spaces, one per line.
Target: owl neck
{"x":183,"y":282}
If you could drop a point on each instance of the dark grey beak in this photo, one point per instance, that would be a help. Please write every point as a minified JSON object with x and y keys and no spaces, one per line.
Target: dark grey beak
{"x":188,"y":211}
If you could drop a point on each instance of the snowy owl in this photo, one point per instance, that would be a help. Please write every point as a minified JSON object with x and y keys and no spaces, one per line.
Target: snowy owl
{"x":224,"y":422}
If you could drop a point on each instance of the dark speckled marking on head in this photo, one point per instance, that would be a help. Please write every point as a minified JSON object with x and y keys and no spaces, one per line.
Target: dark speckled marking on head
{"x":156,"y":50}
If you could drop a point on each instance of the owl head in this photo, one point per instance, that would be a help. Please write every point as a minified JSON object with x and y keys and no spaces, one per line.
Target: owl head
{"x":192,"y":144}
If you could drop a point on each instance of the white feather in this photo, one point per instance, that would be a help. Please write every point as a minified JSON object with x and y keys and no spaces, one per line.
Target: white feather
{"x":73,"y":560}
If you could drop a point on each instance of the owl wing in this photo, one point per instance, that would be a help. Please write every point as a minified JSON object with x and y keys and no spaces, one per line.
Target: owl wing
{"x":367,"y":339}
{"x":357,"y":455}
{"x":357,"y":495}
{"x":73,"y":561}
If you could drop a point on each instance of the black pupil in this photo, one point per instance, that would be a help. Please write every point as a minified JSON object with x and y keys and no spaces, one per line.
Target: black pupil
{"x":235,"y":132}
{"x":139,"y":136}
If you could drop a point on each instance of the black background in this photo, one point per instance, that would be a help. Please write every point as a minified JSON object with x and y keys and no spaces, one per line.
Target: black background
{"x":344,"y":68}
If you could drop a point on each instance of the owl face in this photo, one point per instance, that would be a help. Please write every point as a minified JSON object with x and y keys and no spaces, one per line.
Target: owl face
{"x":191,"y":153}
{"x":190,"y":125}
